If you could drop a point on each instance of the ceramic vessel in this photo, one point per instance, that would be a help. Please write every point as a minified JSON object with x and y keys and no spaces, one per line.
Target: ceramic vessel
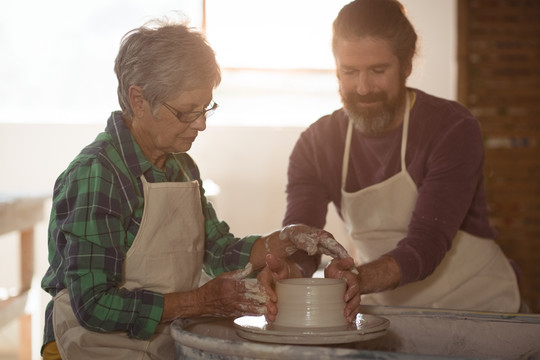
{"x":310,"y":302}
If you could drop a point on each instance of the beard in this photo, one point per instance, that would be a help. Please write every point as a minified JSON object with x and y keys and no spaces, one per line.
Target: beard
{"x":372,"y":120}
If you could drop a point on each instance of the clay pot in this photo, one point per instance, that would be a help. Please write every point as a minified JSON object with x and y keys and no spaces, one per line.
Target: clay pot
{"x":310,"y":302}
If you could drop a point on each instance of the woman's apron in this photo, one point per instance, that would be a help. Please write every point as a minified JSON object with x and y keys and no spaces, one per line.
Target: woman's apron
{"x":166,"y":256}
{"x":473,"y":275}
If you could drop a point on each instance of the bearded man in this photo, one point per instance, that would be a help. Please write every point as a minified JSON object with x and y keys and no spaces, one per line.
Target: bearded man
{"x":404,"y":170}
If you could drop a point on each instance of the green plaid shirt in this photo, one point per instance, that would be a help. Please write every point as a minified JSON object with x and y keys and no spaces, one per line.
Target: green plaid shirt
{"x":96,"y":213}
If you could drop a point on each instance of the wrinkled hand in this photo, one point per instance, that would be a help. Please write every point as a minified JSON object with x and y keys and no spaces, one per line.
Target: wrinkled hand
{"x":345,"y":269}
{"x":231,"y":294}
{"x":313,"y":241}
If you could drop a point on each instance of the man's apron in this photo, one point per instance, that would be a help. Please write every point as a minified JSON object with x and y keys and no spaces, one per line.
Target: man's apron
{"x":474,"y":274}
{"x":166,"y":256}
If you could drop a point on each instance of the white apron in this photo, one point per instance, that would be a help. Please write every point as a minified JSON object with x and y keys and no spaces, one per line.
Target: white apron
{"x":166,"y":256}
{"x":474,"y":274}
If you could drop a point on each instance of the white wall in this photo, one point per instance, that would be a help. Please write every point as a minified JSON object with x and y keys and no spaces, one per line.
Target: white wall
{"x":248,"y":163}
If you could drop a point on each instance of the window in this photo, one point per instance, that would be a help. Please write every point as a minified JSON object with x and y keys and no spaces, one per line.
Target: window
{"x":278,"y":68}
{"x":58,"y":56}
{"x":57,"y":63}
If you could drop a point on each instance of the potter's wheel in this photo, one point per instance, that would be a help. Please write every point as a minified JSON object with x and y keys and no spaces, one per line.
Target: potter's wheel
{"x":365,"y":327}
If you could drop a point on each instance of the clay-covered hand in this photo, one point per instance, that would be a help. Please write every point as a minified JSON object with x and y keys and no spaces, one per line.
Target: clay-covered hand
{"x":276,"y":269}
{"x":313,"y":241}
{"x":345,"y":269}
{"x":231,"y":294}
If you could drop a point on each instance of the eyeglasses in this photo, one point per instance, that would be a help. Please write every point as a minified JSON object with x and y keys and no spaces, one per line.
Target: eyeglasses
{"x":189,"y":117}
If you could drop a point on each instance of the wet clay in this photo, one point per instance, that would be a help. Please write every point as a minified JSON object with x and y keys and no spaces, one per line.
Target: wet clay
{"x":310,"y":302}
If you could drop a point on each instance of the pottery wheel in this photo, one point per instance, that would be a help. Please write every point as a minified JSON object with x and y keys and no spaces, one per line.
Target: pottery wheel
{"x":365,"y":327}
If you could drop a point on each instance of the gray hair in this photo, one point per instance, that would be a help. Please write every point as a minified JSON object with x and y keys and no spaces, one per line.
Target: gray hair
{"x":164,"y":58}
{"x":383,"y":19}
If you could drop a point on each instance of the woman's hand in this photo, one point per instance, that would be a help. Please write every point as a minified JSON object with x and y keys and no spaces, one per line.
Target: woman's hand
{"x":231,"y":294}
{"x":313,"y":241}
{"x":291,"y":238}
{"x":345,"y":269}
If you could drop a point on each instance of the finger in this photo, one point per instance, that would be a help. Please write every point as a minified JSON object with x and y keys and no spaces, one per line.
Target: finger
{"x":338,"y":265}
{"x":253,"y":301}
{"x":347,"y":264}
{"x":275,"y":270}
{"x":274,"y":264}
{"x":266,"y":279}
{"x":353,"y":289}
{"x":279,"y":268}
{"x":241,"y":274}
{"x":253,"y":291}
{"x":330,"y":246}
{"x":246,"y":308}
{"x":352,"y":309}
{"x":271,"y":310}
{"x":340,"y":269}
{"x":302,"y":237}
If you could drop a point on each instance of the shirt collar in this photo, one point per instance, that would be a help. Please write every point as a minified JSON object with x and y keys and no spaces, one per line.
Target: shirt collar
{"x":131,"y":152}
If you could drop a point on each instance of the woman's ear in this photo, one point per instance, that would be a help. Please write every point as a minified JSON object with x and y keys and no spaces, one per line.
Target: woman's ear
{"x":136,"y":100}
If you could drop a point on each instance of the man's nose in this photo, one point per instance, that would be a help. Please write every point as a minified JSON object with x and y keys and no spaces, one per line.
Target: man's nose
{"x":364,"y":84}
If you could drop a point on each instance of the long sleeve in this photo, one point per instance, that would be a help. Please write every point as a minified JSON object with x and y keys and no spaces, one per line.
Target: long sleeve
{"x":444,"y":158}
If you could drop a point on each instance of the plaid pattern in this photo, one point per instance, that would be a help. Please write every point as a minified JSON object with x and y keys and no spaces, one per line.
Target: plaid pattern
{"x":97,"y":209}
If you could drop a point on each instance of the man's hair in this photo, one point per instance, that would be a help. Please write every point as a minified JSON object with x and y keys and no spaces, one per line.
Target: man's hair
{"x":164,"y":58}
{"x":382,"y":19}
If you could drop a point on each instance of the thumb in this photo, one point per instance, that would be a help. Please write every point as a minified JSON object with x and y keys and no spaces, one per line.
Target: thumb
{"x":275,"y":264}
{"x":242,"y":273}
{"x":344,"y":264}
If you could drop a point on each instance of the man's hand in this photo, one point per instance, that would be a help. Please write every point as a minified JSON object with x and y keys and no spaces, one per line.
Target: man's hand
{"x":344,"y":269}
{"x":379,"y":275}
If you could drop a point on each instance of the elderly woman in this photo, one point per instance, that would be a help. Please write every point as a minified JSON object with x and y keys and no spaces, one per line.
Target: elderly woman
{"x":130,"y":228}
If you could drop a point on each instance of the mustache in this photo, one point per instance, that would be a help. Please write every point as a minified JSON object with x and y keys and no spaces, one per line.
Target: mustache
{"x":352,"y":97}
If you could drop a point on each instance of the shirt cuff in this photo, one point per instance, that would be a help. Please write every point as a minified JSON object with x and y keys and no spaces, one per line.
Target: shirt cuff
{"x":149,"y":315}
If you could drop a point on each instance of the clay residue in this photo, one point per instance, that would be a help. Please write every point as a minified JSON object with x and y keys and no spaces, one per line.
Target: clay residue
{"x":255,"y":294}
{"x":244,"y":273}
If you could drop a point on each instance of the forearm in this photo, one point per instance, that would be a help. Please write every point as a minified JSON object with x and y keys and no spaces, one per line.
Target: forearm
{"x":379,"y":275}
{"x":181,"y":304}
{"x":223,"y":251}
{"x":137,"y":312}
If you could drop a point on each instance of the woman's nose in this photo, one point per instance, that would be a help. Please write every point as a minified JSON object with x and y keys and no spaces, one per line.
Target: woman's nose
{"x":199,"y":123}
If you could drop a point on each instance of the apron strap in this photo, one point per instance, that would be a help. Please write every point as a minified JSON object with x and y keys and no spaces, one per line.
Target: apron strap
{"x":345,"y":165}
{"x":404,"y":135}
{"x":405,"y":132}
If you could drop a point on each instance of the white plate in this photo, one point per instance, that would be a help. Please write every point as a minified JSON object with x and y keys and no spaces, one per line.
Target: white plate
{"x":365,"y":327}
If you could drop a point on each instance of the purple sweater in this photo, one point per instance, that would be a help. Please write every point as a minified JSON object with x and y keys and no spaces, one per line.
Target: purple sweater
{"x":445,"y":157}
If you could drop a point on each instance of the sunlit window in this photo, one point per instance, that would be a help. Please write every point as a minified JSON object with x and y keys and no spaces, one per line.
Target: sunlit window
{"x":57,"y":57}
{"x":278,"y":68}
{"x":277,"y":34}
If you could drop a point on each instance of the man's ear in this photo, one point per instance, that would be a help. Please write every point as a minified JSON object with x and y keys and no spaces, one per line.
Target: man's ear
{"x":407,"y":68}
{"x":136,"y":100}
